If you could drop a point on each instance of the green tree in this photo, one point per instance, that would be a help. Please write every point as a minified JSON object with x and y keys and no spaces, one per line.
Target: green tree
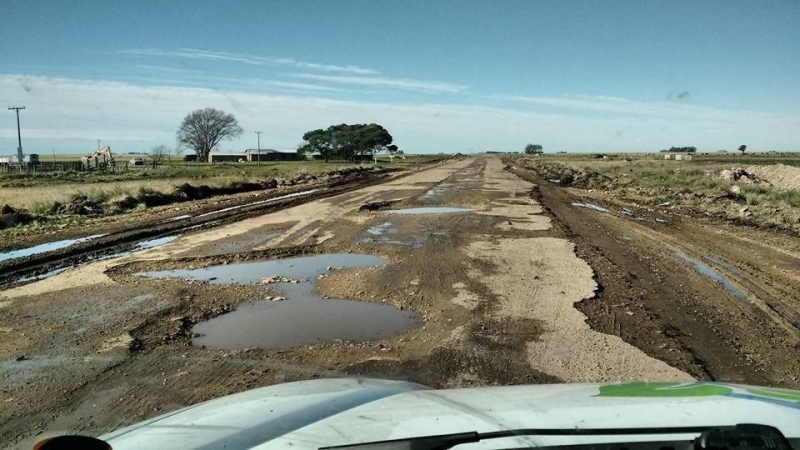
{"x":316,"y":141}
{"x":203,"y":129}
{"x":742,"y":148}
{"x":346,"y":141}
{"x":533,"y":149}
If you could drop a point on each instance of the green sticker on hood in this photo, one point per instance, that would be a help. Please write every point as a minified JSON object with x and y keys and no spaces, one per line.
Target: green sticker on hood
{"x":640,"y":389}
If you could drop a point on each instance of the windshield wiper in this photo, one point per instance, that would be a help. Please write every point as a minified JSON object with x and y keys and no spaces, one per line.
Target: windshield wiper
{"x":738,"y":437}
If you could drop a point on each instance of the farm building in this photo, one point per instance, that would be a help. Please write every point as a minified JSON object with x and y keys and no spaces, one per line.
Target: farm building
{"x":268,"y":154}
{"x":217,"y":157}
{"x":679,"y":156}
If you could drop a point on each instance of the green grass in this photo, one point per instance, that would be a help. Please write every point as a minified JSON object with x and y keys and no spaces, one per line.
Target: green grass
{"x":694,"y":183}
{"x":38,"y":192}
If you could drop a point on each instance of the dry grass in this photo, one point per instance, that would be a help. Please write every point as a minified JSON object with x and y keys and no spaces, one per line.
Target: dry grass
{"x":39,"y":199}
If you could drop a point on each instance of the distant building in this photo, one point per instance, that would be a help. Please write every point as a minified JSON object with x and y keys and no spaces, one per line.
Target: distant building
{"x":268,"y":154}
{"x":218,"y":157}
{"x":679,"y":156}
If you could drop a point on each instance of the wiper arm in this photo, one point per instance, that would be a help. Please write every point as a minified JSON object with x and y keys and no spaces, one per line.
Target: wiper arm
{"x":739,"y":437}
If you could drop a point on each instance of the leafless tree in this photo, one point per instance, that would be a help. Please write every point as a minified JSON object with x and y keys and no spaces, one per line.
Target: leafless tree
{"x":159,"y":154}
{"x":203,"y":129}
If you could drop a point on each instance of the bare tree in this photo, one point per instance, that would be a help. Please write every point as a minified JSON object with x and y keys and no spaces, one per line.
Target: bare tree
{"x":159,"y":154}
{"x":203,"y":129}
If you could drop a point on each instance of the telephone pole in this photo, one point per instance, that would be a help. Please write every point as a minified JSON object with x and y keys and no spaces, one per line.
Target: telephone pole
{"x":259,"y":145}
{"x":20,"y":157}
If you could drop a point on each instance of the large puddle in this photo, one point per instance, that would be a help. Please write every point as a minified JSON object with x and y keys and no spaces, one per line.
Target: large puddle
{"x":48,"y":247}
{"x":430,"y":210}
{"x":709,"y":272}
{"x":304,"y":317}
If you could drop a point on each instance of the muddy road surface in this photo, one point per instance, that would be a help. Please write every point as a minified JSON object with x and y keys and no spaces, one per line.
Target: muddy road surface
{"x":460,"y":275}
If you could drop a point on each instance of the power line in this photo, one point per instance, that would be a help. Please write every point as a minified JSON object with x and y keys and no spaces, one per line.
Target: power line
{"x":20,"y":157}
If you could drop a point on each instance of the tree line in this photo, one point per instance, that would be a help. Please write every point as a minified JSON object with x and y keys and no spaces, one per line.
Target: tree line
{"x":348,"y":142}
{"x":202,"y":130}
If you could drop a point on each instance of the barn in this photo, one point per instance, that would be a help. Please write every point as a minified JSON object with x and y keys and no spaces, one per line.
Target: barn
{"x":268,"y":154}
{"x":219,"y":157}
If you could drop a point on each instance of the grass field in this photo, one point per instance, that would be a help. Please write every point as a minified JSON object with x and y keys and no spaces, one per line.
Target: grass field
{"x":38,"y":192}
{"x":696,"y":184}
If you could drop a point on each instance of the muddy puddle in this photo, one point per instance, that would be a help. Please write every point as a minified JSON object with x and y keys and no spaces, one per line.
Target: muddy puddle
{"x":430,"y":210}
{"x":436,"y":192}
{"x":389,"y":233}
{"x":47,"y":247}
{"x":302,"y":317}
{"x":590,"y":206}
{"x":708,"y":271}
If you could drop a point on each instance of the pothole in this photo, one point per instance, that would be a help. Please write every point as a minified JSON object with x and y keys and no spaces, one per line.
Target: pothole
{"x":303,"y":317}
{"x":47,"y":247}
{"x":388,"y":232}
{"x":430,"y":210}
{"x":709,"y":272}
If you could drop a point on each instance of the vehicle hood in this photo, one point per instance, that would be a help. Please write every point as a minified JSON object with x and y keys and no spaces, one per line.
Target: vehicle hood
{"x":313,"y":414}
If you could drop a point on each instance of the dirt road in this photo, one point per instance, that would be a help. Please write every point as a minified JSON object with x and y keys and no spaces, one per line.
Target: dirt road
{"x":497,"y":293}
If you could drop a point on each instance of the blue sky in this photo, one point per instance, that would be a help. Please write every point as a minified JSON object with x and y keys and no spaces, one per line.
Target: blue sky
{"x":626,"y":75}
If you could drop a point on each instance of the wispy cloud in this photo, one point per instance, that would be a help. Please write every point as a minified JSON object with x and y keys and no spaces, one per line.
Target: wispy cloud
{"x":397,"y":83}
{"x":674,"y":110}
{"x":167,"y":69}
{"x":190,"y":53}
{"x":61,"y":113}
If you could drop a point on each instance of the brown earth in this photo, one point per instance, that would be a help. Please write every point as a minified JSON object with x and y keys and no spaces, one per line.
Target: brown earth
{"x":96,"y":347}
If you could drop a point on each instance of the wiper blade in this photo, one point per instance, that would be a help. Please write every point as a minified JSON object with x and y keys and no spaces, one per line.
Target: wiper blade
{"x":739,"y":437}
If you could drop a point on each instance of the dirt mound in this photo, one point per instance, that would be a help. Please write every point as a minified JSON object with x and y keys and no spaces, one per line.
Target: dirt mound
{"x":779,"y":175}
{"x":79,"y":206}
{"x":740,"y":175}
{"x":10,"y":217}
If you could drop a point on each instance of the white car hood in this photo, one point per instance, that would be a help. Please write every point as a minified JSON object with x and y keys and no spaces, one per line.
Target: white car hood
{"x":313,"y":414}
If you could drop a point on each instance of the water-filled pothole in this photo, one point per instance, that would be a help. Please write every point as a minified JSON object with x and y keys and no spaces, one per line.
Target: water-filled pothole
{"x":709,"y":272}
{"x":430,"y":210}
{"x":389,"y":233}
{"x":304,"y":317}
{"x":47,"y":247}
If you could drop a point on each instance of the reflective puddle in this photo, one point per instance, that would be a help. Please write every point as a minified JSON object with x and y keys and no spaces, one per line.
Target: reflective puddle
{"x":437,"y":191}
{"x":48,"y":247}
{"x":155,"y":242}
{"x":430,"y":210}
{"x":709,"y":272}
{"x":388,"y":233}
{"x":304,"y":317}
{"x":591,"y":206}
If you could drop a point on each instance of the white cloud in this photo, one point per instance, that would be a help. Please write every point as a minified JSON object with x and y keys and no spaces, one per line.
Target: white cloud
{"x":189,"y":53}
{"x":70,"y":114}
{"x":398,"y":83}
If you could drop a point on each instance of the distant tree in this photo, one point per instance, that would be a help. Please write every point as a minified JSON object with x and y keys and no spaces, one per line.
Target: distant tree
{"x":317,"y":141}
{"x":533,"y":149}
{"x":742,"y":148}
{"x":203,"y":129}
{"x":346,"y":141}
{"x":680,"y":150}
{"x":159,"y":154}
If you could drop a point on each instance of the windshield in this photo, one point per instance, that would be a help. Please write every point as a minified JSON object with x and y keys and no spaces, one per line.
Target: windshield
{"x":202,"y":199}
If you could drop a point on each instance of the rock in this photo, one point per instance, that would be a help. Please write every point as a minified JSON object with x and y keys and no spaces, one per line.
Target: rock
{"x":7,"y":209}
{"x":736,"y":189}
{"x":20,"y":358}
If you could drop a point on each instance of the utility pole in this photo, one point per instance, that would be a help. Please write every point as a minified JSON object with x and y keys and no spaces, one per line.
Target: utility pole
{"x":19,"y":136}
{"x":259,"y":145}
{"x":98,"y":144}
